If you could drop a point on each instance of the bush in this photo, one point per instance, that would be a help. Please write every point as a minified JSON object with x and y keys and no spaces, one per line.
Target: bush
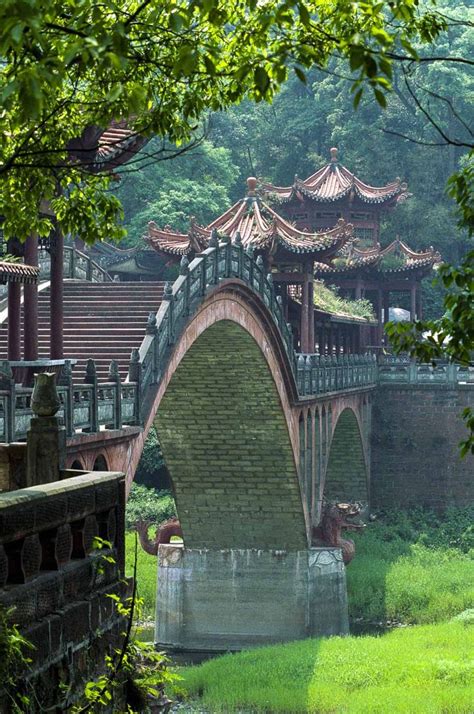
{"x":148,"y":504}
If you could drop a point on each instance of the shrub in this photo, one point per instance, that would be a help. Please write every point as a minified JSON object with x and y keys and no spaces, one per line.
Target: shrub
{"x":148,"y":504}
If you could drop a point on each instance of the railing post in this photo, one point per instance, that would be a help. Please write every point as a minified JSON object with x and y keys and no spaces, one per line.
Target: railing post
{"x":228,"y":256}
{"x":114,"y":376}
{"x":323,"y":373}
{"x":184,"y":270}
{"x":214,"y":243}
{"x":301,"y":375}
{"x":272,"y":293}
{"x":249,"y":253}
{"x":7,"y":383}
{"x":240,"y":255}
{"x":203,"y":275}
{"x":135,"y":375}
{"x":169,"y":297}
{"x":261,"y":276}
{"x":89,"y":269}
{"x":66,"y":381}
{"x":91,"y":378}
{"x":72,"y":267}
{"x":152,"y":329}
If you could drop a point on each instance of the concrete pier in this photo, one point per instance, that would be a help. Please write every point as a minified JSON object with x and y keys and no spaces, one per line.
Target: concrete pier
{"x":224,"y":600}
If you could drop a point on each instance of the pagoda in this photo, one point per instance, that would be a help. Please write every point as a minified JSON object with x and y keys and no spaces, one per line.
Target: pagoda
{"x":289,"y":252}
{"x":362,"y":268}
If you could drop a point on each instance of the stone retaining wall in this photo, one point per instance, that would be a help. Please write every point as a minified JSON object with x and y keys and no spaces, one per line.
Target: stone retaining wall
{"x":57,"y":583}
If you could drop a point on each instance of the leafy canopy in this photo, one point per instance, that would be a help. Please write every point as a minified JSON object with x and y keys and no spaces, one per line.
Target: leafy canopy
{"x":71,"y":64}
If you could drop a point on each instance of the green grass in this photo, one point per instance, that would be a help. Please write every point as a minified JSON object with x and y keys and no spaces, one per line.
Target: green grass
{"x":418,"y":670}
{"x":146,"y":573}
{"x":413,"y":567}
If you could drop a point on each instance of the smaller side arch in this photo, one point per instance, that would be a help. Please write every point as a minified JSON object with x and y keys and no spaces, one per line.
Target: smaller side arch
{"x":100,"y":463}
{"x":77,"y":465}
{"x":346,"y":477}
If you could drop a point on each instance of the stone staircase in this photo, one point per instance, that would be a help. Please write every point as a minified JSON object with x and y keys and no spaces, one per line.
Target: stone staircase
{"x":102,"y":321}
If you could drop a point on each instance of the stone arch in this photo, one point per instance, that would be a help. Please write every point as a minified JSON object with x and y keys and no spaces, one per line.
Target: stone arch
{"x":346,"y":477}
{"x":226,"y":442}
{"x":100,"y":463}
{"x":77,"y":465}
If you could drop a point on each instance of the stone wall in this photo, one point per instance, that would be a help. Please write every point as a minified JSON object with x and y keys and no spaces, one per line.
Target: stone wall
{"x":219,"y":600}
{"x":226,"y":443}
{"x":416,"y":430}
{"x":49,"y":574}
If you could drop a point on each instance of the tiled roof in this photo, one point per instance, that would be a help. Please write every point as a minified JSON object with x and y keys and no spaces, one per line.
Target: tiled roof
{"x":334,"y":181}
{"x":259,"y":226}
{"x":18,"y":273}
{"x":357,"y":258}
{"x":106,"y":149}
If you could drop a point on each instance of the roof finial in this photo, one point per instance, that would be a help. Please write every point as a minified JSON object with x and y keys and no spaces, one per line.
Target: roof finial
{"x":334,"y":154}
{"x":251,"y":186}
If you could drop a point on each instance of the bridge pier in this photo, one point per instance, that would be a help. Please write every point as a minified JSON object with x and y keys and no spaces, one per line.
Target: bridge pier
{"x":227,"y":600}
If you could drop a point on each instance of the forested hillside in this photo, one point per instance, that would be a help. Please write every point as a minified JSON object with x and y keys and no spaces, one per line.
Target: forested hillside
{"x":293,"y":136}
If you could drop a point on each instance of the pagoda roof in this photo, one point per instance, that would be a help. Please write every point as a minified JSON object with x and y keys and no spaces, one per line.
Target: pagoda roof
{"x":333,"y":182}
{"x":396,"y":259}
{"x":259,"y":226}
{"x":106,"y":149}
{"x":18,"y":273}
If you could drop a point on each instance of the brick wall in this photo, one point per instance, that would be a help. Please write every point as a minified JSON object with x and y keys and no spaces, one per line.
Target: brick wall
{"x":415,"y":457}
{"x":346,"y":474}
{"x":225,"y":440}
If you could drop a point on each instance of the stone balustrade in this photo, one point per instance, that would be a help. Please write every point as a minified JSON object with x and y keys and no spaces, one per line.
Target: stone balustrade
{"x":402,"y":370}
{"x":55,"y":581}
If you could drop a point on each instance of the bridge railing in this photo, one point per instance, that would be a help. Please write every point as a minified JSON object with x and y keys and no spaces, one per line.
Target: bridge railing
{"x":85,"y":407}
{"x":77,"y":266}
{"x":221,"y":260}
{"x":394,"y":369}
{"x":321,"y":374}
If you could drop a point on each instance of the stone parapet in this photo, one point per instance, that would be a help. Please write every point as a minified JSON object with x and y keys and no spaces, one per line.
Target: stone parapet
{"x":57,"y":584}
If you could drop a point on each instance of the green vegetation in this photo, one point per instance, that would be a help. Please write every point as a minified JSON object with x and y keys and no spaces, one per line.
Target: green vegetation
{"x":146,"y":574}
{"x":148,"y":504}
{"x":413,"y":567}
{"x":427,"y":669}
{"x":326,"y":298}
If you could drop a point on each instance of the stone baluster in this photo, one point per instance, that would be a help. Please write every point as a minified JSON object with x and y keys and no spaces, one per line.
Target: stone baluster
{"x":184,"y":270}
{"x":214,"y":243}
{"x":91,"y":378}
{"x":135,"y":375}
{"x":7,"y":384}
{"x":66,"y":381}
{"x":114,"y":376}
{"x":240,"y":254}
{"x":261,"y":274}
{"x":169,"y":298}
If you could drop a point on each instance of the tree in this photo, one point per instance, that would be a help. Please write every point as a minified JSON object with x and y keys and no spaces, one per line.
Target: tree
{"x":68,"y":65}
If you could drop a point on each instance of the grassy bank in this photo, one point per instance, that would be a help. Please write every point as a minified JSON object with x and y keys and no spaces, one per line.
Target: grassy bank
{"x":426,"y":669}
{"x":146,"y":573}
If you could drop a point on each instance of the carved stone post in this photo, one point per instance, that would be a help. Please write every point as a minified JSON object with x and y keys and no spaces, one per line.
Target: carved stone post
{"x":46,"y":437}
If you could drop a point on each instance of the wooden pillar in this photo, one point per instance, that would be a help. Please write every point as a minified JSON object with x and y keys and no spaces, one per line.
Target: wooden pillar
{"x":311,"y":337}
{"x":30,"y":307}
{"x":413,"y":302}
{"x":386,"y":305}
{"x":56,"y":297}
{"x":419,"y":303}
{"x":305,"y":312}
{"x":14,"y":313}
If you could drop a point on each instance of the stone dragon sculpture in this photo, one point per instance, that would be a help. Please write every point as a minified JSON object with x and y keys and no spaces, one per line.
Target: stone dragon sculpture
{"x":164,"y":533}
{"x":333,"y":522}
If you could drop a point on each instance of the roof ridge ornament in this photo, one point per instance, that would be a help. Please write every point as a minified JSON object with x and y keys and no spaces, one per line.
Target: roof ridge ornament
{"x":251,"y":186}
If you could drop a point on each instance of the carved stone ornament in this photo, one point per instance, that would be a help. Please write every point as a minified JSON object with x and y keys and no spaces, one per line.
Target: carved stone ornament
{"x":45,"y":400}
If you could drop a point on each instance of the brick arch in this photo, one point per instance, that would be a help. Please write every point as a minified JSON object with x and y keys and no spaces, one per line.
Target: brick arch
{"x":346,"y":475}
{"x":232,"y":334}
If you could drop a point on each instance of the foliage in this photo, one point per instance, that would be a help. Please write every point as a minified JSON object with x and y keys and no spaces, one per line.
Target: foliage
{"x":148,"y":504}
{"x":424,"y":669}
{"x":151,"y":460}
{"x":327,"y":298}
{"x":71,"y":65}
{"x":413,"y":567}
{"x":13,"y":663}
{"x":135,"y":671}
